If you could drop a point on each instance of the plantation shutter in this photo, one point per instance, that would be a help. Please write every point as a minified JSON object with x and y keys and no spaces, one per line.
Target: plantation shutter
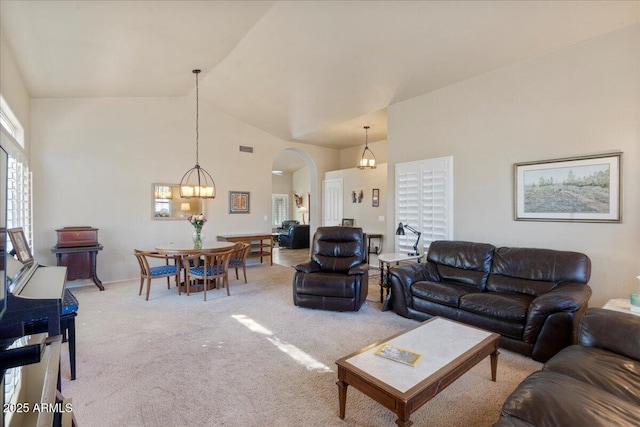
{"x":279,"y":208}
{"x":424,"y":201}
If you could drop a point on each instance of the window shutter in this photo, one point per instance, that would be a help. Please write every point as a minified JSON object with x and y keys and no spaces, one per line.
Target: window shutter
{"x":279,"y":208}
{"x":424,"y":200}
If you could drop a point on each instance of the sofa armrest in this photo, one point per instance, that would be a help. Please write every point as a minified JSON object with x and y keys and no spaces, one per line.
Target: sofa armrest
{"x":307,"y":267}
{"x":612,"y":331}
{"x":403,"y":277}
{"x":568,"y":297}
{"x":358,"y":270}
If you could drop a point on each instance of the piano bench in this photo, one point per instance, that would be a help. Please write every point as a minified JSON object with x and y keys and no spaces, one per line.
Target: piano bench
{"x":68,"y":327}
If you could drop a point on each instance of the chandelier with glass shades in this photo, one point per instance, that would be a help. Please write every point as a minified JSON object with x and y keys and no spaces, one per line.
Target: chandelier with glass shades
{"x":368,"y":160}
{"x":197,"y":182}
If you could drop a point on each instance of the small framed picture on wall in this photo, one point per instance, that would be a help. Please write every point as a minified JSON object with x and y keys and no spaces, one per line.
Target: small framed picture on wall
{"x":375,"y":198}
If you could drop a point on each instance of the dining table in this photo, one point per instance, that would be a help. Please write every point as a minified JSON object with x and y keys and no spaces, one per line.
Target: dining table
{"x":184,"y":249}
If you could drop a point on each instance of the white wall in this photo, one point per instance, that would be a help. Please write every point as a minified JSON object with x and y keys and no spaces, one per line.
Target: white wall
{"x":94,"y":160}
{"x":581,"y":100}
{"x":366,"y":216}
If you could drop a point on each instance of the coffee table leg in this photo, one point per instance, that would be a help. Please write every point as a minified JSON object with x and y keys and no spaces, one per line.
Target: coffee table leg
{"x":342,"y":396}
{"x":403,"y":415}
{"x":494,"y":364}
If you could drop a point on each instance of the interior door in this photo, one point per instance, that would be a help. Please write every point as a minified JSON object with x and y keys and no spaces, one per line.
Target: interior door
{"x":332,"y":201}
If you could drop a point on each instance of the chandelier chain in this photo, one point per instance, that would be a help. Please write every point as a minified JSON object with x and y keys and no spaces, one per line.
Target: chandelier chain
{"x":197,"y":117}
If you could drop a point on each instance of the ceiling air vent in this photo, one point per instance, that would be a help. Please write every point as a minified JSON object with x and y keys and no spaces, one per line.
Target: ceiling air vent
{"x":245,"y":149}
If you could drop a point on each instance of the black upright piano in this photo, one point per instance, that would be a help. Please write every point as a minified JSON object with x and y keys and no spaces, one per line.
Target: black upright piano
{"x":34,"y":304}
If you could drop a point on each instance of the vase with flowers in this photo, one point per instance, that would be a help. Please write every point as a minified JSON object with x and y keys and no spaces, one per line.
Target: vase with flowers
{"x":198,"y":222}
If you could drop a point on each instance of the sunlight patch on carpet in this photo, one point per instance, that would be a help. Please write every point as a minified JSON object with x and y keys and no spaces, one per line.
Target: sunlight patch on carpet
{"x":291,"y":350}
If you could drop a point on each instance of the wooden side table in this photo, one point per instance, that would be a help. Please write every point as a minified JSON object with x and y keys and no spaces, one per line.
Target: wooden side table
{"x":388,"y":260}
{"x":620,"y":304}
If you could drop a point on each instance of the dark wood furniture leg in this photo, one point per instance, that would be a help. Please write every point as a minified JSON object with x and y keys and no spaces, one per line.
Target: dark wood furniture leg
{"x":342,"y":392}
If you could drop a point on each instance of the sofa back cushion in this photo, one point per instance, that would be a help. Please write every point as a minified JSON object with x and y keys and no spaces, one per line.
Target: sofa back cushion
{"x":462,"y":262}
{"x":337,"y":249}
{"x":536,"y":271}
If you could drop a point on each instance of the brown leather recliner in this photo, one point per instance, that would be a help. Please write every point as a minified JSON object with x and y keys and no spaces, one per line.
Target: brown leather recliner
{"x":337,"y":277}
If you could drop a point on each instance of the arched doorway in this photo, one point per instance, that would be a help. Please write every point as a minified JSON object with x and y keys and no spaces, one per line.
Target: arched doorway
{"x":299,"y":168}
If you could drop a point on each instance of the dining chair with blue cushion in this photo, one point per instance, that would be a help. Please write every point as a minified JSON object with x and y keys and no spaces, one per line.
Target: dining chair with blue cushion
{"x":148,"y":272}
{"x":238,"y":258}
{"x":208,"y":267}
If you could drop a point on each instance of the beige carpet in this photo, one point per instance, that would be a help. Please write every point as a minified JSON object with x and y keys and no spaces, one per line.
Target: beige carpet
{"x":238,"y":360}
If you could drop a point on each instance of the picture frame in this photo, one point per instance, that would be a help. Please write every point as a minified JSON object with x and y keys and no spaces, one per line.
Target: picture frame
{"x":348,"y":222}
{"x":239,"y":202}
{"x":20,"y":245}
{"x":575,"y":189}
{"x":375,"y":197}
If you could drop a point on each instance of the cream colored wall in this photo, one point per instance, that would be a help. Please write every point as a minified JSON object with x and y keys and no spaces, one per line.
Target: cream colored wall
{"x":350,"y":157}
{"x":581,"y":100}
{"x":13,"y":89}
{"x":366,"y":216}
{"x":94,"y":160}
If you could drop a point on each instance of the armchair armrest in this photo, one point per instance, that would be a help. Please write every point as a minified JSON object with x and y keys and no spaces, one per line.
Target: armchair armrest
{"x":308,"y":267}
{"x":566,"y":297}
{"x":611,"y":330}
{"x":359,"y":269}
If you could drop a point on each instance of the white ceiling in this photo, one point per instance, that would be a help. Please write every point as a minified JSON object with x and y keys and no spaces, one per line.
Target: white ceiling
{"x":311,"y":71}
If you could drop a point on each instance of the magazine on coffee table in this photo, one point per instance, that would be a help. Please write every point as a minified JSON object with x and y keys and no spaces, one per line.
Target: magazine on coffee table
{"x":399,"y":354}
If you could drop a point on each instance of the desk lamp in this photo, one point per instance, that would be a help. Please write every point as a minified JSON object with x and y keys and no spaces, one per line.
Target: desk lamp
{"x":400,"y":232}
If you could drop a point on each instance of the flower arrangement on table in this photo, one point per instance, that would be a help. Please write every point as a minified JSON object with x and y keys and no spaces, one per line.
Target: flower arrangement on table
{"x":197,"y":221}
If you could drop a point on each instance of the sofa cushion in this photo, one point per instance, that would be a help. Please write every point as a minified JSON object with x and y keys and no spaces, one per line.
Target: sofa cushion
{"x":463,"y":262}
{"x":500,"y":283}
{"x":441,"y":292}
{"x":542,"y":265}
{"x":505,"y":306}
{"x":325,"y":284}
{"x":551,"y":399}
{"x":603,"y":369}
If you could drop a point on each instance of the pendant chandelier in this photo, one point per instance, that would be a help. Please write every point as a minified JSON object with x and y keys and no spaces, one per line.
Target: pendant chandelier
{"x":197,"y":183}
{"x":368,"y":160}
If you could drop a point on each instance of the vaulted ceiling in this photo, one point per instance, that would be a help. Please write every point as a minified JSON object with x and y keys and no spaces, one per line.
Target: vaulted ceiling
{"x":311,"y":71}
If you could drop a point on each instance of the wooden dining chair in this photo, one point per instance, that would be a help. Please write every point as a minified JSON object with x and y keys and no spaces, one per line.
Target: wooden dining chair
{"x":148,"y":272}
{"x":239,"y":258}
{"x":209,"y":267}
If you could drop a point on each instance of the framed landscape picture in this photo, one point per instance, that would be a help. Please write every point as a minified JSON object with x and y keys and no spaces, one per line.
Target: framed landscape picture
{"x":238,"y":202}
{"x":581,"y":189}
{"x":375,"y":197}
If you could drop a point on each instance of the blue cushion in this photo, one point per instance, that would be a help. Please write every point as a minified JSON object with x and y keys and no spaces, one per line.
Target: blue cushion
{"x":69,"y":302}
{"x":161,"y":270}
{"x":234,"y":263}
{"x":199,"y":271}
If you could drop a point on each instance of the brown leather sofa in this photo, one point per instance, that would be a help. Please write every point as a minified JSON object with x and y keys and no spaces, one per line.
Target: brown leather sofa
{"x":532,"y":297}
{"x":593,"y":383}
{"x":337,"y":276}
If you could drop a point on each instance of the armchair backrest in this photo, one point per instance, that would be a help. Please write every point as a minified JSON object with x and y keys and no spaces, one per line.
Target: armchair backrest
{"x":287,"y":224}
{"x":338,"y":249}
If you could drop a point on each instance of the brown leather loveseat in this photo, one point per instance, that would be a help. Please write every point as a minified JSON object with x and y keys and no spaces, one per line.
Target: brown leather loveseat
{"x":532,"y":297}
{"x":337,"y":276}
{"x":593,"y":383}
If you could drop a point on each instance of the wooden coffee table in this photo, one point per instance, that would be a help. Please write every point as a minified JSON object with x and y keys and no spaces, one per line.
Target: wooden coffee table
{"x":448,"y":348}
